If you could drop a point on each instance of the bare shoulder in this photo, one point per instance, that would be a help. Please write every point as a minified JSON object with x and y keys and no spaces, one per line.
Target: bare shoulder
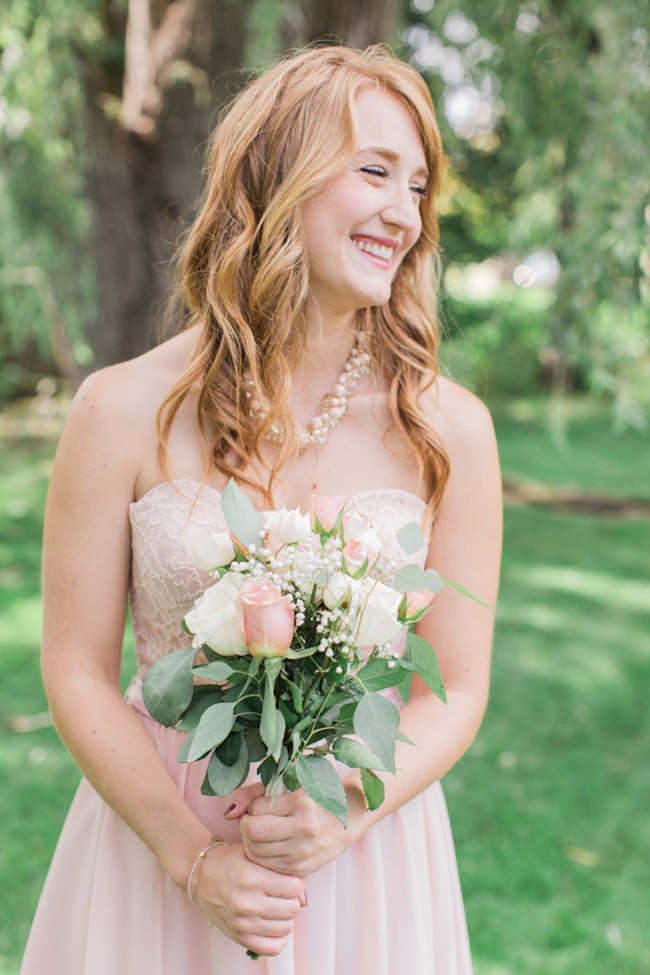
{"x":113,"y":414}
{"x":462,"y":420}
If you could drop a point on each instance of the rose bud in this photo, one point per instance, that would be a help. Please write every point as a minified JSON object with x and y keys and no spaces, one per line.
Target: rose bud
{"x":268,"y":619}
{"x":416,"y":602}
{"x":356,"y":552}
{"x":324,"y":511}
{"x":287,"y":526}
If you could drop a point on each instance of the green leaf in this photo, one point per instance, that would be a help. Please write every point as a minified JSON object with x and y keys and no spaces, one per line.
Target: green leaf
{"x":244,"y":520}
{"x":267,"y":723}
{"x":215,"y":725}
{"x":457,"y":586}
{"x":435,"y":582}
{"x":378,"y":674}
{"x":373,"y":788}
{"x":272,"y":667}
{"x":229,"y":749}
{"x":296,"y":695}
{"x":290,"y":778}
{"x":405,"y":738}
{"x":404,"y":687}
{"x":376,"y":721}
{"x":422,"y":654}
{"x":321,"y":783}
{"x":410,"y":578}
{"x":217,"y":670}
{"x":167,"y":687}
{"x":297,"y":654}
{"x":410,"y":537}
{"x":196,"y":710}
{"x":183,"y":751}
{"x":356,"y":755}
{"x":256,"y":749}
{"x":224,"y":777}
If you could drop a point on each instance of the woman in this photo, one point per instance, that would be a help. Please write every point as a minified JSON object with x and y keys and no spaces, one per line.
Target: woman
{"x":316,"y":237}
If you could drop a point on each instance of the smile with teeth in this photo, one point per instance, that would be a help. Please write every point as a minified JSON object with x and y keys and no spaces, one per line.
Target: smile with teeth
{"x":371,"y":247}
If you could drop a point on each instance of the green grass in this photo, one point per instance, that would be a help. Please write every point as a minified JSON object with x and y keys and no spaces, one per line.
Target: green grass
{"x":549,"y":807}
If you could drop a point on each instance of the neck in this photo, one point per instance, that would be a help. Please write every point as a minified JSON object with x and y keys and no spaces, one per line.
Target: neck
{"x":328,"y":338}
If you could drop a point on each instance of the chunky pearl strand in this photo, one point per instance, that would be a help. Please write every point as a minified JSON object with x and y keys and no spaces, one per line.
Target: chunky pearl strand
{"x":334,"y":404}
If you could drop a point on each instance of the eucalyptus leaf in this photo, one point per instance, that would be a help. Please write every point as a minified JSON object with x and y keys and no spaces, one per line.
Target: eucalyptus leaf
{"x":244,"y":520}
{"x":167,"y":687}
{"x":376,"y":721}
{"x":373,"y":789}
{"x":435,"y":582}
{"x":405,"y":738}
{"x":196,"y":710}
{"x":380,"y":673}
{"x":290,"y":778}
{"x":225,"y":778}
{"x":404,"y":686}
{"x":356,"y":755}
{"x":321,"y":783}
{"x":280,"y":726}
{"x":410,"y":578}
{"x":183,"y":751}
{"x":215,"y":725}
{"x":216,"y":670}
{"x":422,"y":654}
{"x":410,"y":537}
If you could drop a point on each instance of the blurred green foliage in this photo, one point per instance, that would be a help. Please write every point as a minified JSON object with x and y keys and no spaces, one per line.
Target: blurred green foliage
{"x":545,"y":111}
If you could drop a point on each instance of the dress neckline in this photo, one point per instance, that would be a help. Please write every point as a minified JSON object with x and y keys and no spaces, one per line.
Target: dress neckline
{"x":209,"y":487}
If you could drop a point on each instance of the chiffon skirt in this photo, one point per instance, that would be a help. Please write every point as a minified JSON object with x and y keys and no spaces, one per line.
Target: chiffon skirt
{"x":389,"y":905}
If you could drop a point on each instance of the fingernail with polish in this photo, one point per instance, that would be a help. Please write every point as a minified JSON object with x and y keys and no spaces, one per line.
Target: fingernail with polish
{"x":230,"y":808}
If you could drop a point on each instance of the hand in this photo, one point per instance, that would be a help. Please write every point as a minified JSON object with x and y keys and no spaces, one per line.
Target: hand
{"x":291,"y":834}
{"x":251,"y":904}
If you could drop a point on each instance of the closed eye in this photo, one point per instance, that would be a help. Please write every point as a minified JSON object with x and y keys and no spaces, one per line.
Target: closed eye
{"x":382,"y":174}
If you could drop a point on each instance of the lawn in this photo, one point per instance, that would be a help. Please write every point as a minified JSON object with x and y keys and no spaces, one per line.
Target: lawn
{"x":549,"y":806}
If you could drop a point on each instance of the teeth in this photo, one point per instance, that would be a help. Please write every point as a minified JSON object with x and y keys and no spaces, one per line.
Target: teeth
{"x":376,"y":249}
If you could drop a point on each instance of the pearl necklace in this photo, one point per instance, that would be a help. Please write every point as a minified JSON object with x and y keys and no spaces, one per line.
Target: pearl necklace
{"x":334,"y":404}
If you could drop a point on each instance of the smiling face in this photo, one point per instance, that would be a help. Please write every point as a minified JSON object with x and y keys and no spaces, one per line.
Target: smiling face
{"x":361,"y":225}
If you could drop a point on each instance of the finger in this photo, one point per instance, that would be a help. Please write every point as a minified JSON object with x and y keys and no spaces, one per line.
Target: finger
{"x":267,"y":851}
{"x":265,"y":829}
{"x":263,"y":927}
{"x":281,"y":885}
{"x":241,"y":798}
{"x":281,"y":908}
{"x":282,"y":805}
{"x":266,"y":946}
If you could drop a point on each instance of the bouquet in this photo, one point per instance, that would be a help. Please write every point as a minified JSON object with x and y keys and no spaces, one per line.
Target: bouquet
{"x":292,"y":648}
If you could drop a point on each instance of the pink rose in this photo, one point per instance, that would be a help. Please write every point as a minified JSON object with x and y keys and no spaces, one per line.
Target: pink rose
{"x":356,"y":552}
{"x":418,"y":601}
{"x":268,"y":619}
{"x":326,"y":508}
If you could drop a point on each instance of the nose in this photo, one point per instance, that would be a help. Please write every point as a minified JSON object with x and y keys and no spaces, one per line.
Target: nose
{"x":403,"y":210}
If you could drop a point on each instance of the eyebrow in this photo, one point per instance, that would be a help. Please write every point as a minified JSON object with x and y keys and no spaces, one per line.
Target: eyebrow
{"x":392,"y":156}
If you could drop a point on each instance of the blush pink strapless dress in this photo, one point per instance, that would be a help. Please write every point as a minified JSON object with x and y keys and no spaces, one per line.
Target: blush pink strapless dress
{"x":389,"y":905}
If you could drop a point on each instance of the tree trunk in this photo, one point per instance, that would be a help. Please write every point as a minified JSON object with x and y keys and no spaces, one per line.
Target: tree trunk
{"x":146,"y":123}
{"x":143,"y":171}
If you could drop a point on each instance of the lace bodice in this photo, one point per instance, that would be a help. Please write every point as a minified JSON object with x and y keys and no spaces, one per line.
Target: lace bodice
{"x":164,"y":583}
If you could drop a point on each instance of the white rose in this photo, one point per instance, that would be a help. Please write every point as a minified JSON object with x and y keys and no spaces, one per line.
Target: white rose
{"x":287,"y":526}
{"x":216,"y":618}
{"x":208,"y":550}
{"x":371,"y":539}
{"x":341,"y":589}
{"x":377,"y":621}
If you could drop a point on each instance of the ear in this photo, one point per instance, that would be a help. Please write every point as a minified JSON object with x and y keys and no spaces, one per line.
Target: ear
{"x":240,"y":799}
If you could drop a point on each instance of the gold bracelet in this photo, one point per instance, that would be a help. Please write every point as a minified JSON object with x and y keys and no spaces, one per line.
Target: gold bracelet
{"x":215,"y":841}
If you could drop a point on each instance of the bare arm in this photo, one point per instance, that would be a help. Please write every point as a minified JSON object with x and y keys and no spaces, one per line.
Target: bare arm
{"x":465,"y":546}
{"x":86,"y":560}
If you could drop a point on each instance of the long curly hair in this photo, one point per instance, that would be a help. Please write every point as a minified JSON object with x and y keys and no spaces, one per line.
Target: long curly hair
{"x":242,"y":272}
